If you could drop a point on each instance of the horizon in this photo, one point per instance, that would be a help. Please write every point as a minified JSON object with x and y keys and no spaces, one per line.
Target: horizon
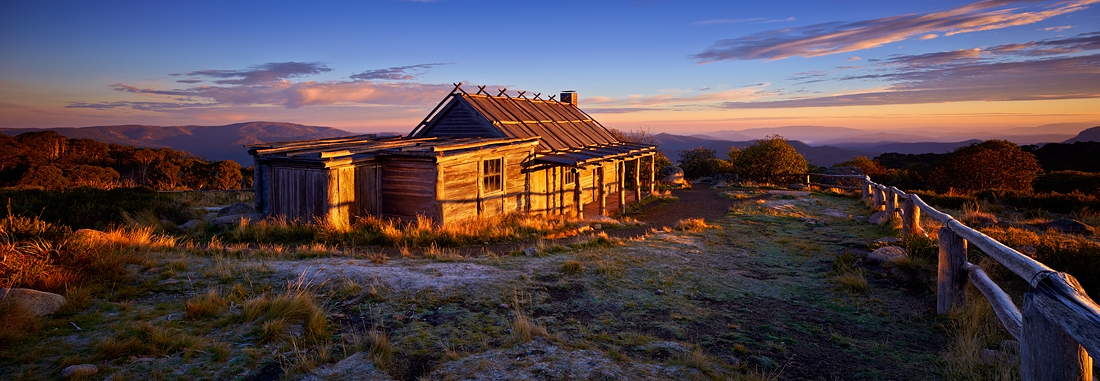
{"x":945,"y":67}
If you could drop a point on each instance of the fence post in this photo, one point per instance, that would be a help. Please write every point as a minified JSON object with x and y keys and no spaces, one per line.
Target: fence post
{"x":1046,"y":351}
{"x":866,"y":190}
{"x":910,"y":218}
{"x":952,"y":270}
{"x":880,"y":198}
{"x":891,"y":202}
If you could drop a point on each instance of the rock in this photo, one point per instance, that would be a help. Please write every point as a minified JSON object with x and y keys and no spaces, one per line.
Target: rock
{"x":82,"y":370}
{"x":707,"y":180}
{"x":672,"y":175}
{"x":665,"y":349}
{"x":597,"y":227}
{"x":860,"y":218}
{"x":235,"y":209}
{"x":796,"y":186}
{"x":660,"y":292}
{"x":90,"y":235}
{"x":40,"y":303}
{"x":879,"y":218}
{"x":355,"y":367}
{"x":887,"y":254}
{"x":190,"y":225}
{"x":888,"y":240}
{"x":1067,"y":225}
{"x":540,"y":360}
{"x":227,"y":221}
{"x":530,"y":251}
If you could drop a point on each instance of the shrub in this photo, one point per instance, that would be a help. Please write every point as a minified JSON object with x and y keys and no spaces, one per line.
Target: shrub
{"x":90,"y":207}
{"x":1068,"y":182}
{"x":770,"y":160}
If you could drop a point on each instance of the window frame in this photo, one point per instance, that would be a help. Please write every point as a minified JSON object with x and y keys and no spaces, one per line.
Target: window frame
{"x":569,"y":177}
{"x":484,"y":176}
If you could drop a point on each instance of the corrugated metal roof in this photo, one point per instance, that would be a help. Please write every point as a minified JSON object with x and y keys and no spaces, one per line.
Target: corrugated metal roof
{"x":558,"y":125}
{"x":363,"y":146}
{"x":596,"y":154}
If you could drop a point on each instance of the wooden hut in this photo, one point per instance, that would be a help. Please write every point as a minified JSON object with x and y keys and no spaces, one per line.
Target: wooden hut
{"x":474,"y":155}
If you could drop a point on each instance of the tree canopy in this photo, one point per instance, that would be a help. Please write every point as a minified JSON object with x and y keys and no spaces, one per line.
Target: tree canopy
{"x":769,"y":160}
{"x":992,"y":164}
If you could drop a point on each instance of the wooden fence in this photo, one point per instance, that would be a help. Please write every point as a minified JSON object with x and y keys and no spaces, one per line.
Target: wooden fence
{"x":1059,"y":326}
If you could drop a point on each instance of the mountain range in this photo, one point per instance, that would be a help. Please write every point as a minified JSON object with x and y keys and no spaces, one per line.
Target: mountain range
{"x":212,"y":142}
{"x":822,"y":146}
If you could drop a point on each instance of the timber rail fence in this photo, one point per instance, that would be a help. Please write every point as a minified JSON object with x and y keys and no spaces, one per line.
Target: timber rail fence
{"x":1059,"y":326}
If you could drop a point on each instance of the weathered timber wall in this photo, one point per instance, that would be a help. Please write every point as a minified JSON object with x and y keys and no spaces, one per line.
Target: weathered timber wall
{"x":299,"y":193}
{"x":463,"y":197}
{"x":408,"y":188}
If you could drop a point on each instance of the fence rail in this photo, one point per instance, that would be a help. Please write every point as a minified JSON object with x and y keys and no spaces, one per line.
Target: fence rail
{"x":1059,"y":325}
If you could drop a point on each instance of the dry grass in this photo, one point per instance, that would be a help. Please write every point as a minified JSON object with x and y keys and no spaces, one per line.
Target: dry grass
{"x":205,"y":306}
{"x":974,"y":327}
{"x":572,"y":267}
{"x":694,"y":225}
{"x":277,"y":313}
{"x":16,"y":321}
{"x":853,"y":281}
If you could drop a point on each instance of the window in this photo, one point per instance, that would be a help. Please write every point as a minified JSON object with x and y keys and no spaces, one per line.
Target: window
{"x":570,"y":176}
{"x":492,"y":178}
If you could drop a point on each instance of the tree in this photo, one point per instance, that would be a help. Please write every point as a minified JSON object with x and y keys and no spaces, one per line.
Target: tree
{"x":992,"y":164}
{"x":770,"y":160}
{"x":93,"y":176}
{"x":644,"y":137}
{"x":45,"y":177}
{"x":702,"y":162}
{"x":869,"y":167}
{"x":226,"y":175}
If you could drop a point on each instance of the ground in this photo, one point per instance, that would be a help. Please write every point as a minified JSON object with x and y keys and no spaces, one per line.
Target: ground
{"x":748,"y":294}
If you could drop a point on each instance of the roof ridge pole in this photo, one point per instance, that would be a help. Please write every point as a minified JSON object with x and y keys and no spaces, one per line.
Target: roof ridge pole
{"x":480,"y":90}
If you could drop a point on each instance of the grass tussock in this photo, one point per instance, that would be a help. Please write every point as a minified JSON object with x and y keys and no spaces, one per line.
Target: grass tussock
{"x":206,"y":306}
{"x":145,"y":339}
{"x":1074,"y":254}
{"x":421,"y":232}
{"x":848,"y":276}
{"x":694,"y":225}
{"x":572,"y":267}
{"x":524,"y":328}
{"x":974,"y":327}
{"x":16,"y":321}
{"x":44,"y":256}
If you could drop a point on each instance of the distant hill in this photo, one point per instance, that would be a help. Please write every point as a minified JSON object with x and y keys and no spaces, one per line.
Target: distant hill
{"x":671,"y":145}
{"x":1088,"y":135}
{"x":212,"y":142}
{"x":907,"y":148}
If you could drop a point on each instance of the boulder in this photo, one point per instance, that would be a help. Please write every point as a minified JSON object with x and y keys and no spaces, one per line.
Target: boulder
{"x":89,"y":235}
{"x":40,"y":303}
{"x":355,"y":367}
{"x":672,"y":175}
{"x":236,"y":209}
{"x":227,"y":221}
{"x":190,"y":225}
{"x":530,"y":251}
{"x":879,"y":218}
{"x":887,"y":254}
{"x":796,"y":186}
{"x":79,"y":371}
{"x":1067,"y":225}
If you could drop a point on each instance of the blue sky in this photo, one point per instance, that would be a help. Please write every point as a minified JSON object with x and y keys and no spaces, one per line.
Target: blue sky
{"x":680,"y":66}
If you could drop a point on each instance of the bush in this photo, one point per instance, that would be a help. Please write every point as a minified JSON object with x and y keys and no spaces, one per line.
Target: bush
{"x":1069,"y":182}
{"x":770,"y":160}
{"x":90,"y":207}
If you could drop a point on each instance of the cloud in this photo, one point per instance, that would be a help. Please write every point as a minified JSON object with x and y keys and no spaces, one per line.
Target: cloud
{"x":1056,"y":28}
{"x":1042,"y":79}
{"x":841,"y":37}
{"x":263,"y":74}
{"x":1080,"y":43}
{"x":142,"y":106}
{"x":931,"y":59}
{"x":618,"y":110}
{"x":272,"y":85}
{"x":398,"y":73}
{"x":853,"y":58}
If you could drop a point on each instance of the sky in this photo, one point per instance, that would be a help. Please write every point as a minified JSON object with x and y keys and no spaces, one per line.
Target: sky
{"x":659,"y":66}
